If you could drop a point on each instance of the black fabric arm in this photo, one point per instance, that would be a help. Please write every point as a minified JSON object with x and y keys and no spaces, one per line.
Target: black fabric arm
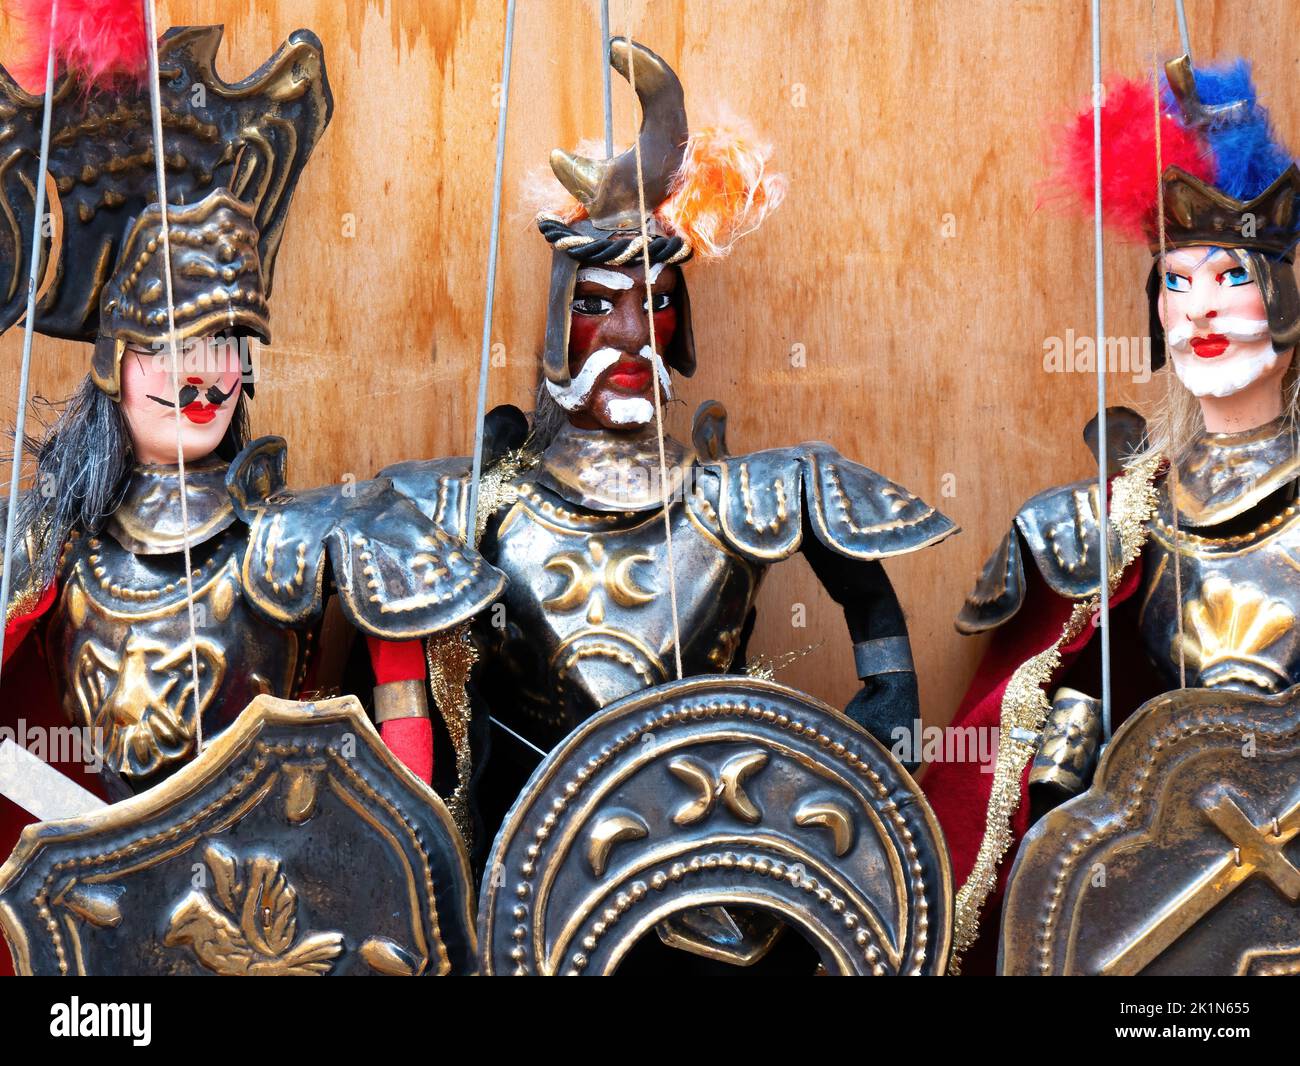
{"x":888,"y":700}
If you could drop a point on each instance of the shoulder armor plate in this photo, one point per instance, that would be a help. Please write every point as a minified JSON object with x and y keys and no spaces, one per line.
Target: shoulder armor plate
{"x":439,"y":487}
{"x":399,"y":576}
{"x":852,"y":510}
{"x":1060,"y":532}
{"x":998,"y":593}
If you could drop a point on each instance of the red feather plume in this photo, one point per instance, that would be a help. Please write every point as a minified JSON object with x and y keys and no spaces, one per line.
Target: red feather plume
{"x":1128,"y":157}
{"x":99,"y":42}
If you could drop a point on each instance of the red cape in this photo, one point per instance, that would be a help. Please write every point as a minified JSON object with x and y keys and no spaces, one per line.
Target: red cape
{"x":959,"y":791}
{"x":30,"y":703}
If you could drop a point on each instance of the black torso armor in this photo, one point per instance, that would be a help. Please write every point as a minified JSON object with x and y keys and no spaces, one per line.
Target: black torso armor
{"x":581,"y":538}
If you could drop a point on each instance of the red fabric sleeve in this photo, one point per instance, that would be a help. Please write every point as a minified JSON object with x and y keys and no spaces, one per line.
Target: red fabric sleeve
{"x":959,"y":791}
{"x":396,"y":660}
{"x":410,"y":739}
{"x":21,"y":626}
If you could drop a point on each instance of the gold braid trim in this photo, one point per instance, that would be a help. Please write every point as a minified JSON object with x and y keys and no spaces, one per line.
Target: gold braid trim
{"x":497,"y":488}
{"x":27,"y":593}
{"x":451,"y":656}
{"x":1025,"y":705}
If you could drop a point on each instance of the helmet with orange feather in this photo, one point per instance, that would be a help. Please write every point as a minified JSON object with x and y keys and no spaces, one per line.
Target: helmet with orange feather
{"x":701,"y":191}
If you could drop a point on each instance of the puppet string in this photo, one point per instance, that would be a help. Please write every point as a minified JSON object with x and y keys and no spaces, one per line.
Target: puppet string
{"x":1103,"y":450}
{"x":1183,"y":35}
{"x":604,"y":68}
{"x":29,"y":326}
{"x":494,"y":238}
{"x":1169,"y":370}
{"x":160,"y":176}
{"x":654,"y":348}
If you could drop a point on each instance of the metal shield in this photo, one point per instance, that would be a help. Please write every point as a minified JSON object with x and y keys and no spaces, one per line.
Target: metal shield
{"x":1181,"y":857}
{"x":717,"y":791}
{"x":295,"y":844}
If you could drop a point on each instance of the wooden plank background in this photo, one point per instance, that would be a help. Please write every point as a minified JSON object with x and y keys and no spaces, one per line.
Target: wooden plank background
{"x":910,"y":263}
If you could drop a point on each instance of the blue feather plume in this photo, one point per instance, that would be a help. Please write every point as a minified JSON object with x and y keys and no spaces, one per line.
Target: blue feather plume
{"x":1247,"y":155}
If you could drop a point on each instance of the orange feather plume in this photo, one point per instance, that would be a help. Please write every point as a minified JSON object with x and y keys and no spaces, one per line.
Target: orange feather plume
{"x":722,"y":191}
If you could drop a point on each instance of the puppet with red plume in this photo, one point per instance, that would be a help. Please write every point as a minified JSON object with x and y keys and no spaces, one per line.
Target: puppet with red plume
{"x":1216,"y":198}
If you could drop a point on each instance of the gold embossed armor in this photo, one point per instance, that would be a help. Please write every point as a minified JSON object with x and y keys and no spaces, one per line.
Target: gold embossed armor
{"x":264,"y":561}
{"x":1238,"y":548}
{"x":1241,"y":599}
{"x":581,"y":539}
{"x":120,"y":639}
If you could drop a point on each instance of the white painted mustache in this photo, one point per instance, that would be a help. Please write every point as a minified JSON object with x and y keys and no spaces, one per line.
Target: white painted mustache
{"x":1179,"y":338}
{"x":574,"y":395}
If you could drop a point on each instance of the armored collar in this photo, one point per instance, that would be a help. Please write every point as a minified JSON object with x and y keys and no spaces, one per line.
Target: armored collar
{"x":607,"y":471}
{"x":1226,"y":474}
{"x":148,"y":522}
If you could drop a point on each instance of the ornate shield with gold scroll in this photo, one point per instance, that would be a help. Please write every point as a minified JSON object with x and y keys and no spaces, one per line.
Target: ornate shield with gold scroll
{"x":296,"y":844}
{"x":1180,"y":859}
{"x":711,"y":793}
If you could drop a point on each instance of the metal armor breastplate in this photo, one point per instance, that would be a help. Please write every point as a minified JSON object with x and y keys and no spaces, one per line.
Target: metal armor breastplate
{"x":587,"y":612}
{"x":120,"y":632}
{"x":1239,"y":553}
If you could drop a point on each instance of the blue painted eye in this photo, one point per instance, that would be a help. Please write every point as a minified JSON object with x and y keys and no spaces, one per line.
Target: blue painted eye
{"x":1236,"y":276}
{"x":1177,"y":282}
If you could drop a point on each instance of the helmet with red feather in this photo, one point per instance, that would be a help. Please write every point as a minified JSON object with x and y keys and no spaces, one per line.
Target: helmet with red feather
{"x":233,"y":153}
{"x":1225,"y":180}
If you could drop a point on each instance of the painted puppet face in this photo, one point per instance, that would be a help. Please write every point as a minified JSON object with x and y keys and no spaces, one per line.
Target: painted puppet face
{"x":1216,"y":325}
{"x":209,"y":382}
{"x":612,"y":369}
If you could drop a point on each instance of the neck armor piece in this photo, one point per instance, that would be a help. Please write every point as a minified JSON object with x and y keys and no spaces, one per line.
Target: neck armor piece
{"x":148,"y":521}
{"x":612,"y":471}
{"x":1226,"y":474}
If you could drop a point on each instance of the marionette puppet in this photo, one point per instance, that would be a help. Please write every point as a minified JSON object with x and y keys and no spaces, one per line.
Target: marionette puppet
{"x":573,"y":506}
{"x":163,"y":574}
{"x":1202,"y":532}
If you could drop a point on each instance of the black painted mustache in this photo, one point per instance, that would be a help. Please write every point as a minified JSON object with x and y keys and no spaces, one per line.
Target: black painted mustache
{"x":190,"y":393}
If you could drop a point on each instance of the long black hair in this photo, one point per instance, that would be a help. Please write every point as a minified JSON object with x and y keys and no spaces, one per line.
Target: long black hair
{"x":83,"y":463}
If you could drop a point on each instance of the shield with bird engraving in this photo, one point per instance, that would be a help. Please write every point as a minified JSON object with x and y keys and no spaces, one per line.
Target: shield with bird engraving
{"x":295,"y":844}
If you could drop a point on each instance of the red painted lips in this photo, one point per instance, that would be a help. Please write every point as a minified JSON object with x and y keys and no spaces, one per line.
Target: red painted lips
{"x":630,"y":375}
{"x":1209,"y":347}
{"x":200,"y":413}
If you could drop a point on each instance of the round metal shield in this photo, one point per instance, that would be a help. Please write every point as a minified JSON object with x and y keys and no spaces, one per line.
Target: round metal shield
{"x":717,"y":792}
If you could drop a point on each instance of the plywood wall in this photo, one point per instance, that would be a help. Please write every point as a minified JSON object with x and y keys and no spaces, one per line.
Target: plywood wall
{"x":909,"y":265}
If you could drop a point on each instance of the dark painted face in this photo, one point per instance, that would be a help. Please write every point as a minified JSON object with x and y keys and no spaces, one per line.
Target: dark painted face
{"x":611,"y":374}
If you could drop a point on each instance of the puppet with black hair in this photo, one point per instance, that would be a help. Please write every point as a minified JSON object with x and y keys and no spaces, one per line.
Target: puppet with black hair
{"x":153,"y":658}
{"x":1203,"y":494}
